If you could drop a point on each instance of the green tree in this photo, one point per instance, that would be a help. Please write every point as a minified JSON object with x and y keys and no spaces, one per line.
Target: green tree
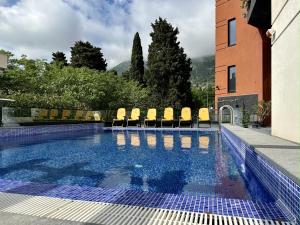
{"x":59,"y":58}
{"x":84,"y":54}
{"x":137,"y":61}
{"x":169,"y":67}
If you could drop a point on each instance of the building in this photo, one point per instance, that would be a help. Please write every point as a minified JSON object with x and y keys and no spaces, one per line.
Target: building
{"x":286,"y":69}
{"x":3,"y":61}
{"x":243,"y":58}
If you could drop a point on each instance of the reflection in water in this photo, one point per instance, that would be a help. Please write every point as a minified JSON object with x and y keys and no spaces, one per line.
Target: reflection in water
{"x":168,"y":141}
{"x":121,"y":139}
{"x":135,"y":139}
{"x":204,"y":142}
{"x":186,"y":141}
{"x":115,"y":163}
{"x":97,"y":139}
{"x":151,"y":140}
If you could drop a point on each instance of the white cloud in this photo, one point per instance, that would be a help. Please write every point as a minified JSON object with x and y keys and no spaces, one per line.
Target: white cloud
{"x":37,"y":28}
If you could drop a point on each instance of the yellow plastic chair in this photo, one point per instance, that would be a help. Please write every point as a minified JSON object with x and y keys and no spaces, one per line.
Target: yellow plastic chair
{"x":186,"y":116}
{"x":79,"y":115}
{"x":97,"y":116}
{"x":151,"y":117}
{"x":53,"y":114}
{"x":66,"y":114}
{"x":135,"y":116}
{"x":42,"y":114}
{"x":89,"y":116}
{"x":168,"y":116}
{"x":121,"y":114}
{"x":203,"y":116}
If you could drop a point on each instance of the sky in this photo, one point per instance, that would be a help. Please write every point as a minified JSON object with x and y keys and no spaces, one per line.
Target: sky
{"x":37,"y":28}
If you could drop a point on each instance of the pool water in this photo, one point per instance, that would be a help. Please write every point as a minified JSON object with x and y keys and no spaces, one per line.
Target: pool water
{"x":194,"y":163}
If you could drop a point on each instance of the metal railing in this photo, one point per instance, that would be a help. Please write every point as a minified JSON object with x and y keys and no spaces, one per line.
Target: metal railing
{"x":20,"y":115}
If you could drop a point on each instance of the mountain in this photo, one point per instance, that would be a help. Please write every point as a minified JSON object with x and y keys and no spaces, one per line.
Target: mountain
{"x":203,"y":69}
{"x":122,"y":67}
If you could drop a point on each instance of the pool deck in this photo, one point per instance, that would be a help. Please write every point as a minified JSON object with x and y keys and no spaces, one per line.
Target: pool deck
{"x":279,"y":152}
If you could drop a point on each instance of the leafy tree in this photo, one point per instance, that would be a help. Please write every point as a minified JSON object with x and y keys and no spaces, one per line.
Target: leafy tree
{"x":169,"y":67}
{"x":59,"y":58}
{"x":137,"y":61}
{"x":84,"y":54}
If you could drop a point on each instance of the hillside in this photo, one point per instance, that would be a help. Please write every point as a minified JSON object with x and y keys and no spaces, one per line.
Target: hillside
{"x":122,"y":67}
{"x":203,"y":69}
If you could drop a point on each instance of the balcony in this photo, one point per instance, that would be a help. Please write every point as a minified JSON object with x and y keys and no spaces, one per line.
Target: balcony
{"x":259,"y":13}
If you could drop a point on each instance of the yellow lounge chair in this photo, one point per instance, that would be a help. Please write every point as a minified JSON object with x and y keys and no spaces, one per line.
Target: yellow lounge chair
{"x":168,"y":116}
{"x":151,"y":117}
{"x":121,"y":114}
{"x":66,"y":114}
{"x":42,"y":114}
{"x":186,"y":116}
{"x":203,"y":116}
{"x":89,"y":116}
{"x":135,"y":116}
{"x":53,"y":114}
{"x":79,"y":115}
{"x":97,"y":116}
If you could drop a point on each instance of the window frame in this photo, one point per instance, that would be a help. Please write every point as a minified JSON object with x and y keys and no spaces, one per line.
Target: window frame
{"x":228,"y":79}
{"x":228,"y":32}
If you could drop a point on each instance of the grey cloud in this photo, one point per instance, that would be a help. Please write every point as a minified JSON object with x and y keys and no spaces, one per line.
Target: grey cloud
{"x":36,"y":28}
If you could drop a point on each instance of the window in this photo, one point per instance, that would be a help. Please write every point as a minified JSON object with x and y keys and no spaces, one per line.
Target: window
{"x":231,"y":32}
{"x":231,"y":79}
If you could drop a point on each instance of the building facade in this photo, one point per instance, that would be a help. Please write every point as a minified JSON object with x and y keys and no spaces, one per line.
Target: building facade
{"x":286,"y":69}
{"x":243,"y":59}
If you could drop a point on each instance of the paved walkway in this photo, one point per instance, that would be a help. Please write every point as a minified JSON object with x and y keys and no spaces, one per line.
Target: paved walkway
{"x":282,"y":153}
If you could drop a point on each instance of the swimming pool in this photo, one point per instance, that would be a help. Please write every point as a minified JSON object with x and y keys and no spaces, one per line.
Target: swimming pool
{"x":175,"y":162}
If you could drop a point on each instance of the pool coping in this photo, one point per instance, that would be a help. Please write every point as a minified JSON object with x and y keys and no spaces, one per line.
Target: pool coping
{"x":283,"y":154}
{"x":181,"y":202}
{"x":263,"y":159}
{"x":104,"y":213}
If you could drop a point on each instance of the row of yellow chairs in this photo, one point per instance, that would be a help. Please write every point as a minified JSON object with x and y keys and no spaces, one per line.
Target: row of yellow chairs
{"x":80,"y":115}
{"x":168,"y":116}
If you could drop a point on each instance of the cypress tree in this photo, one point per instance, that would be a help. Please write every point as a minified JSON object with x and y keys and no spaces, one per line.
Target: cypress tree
{"x":169,"y":67}
{"x":59,"y":58}
{"x":84,"y":54}
{"x":137,"y":61}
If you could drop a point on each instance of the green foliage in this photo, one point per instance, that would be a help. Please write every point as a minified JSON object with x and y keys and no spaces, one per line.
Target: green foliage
{"x":245,"y":117}
{"x":202,"y":96}
{"x":169,"y":67}
{"x":136,"y":71}
{"x":263,"y":110}
{"x":84,"y":54}
{"x":34,"y":83}
{"x":59,"y":58}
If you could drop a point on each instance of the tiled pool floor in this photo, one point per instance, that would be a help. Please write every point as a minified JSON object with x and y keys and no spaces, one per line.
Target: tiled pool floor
{"x":221,"y":206}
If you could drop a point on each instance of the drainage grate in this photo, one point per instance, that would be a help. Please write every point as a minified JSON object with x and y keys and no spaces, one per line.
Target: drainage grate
{"x":114,"y":214}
